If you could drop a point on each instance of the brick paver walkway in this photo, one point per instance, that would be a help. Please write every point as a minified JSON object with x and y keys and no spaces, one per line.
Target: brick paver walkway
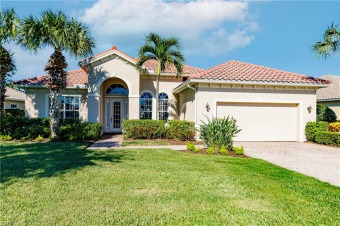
{"x":319,"y":161}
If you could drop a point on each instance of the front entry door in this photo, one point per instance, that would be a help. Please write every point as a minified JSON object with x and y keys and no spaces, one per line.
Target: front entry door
{"x":115,"y":112}
{"x":116,"y":116}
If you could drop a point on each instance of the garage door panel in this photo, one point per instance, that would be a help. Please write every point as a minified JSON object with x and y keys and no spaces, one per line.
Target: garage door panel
{"x":262,"y":122}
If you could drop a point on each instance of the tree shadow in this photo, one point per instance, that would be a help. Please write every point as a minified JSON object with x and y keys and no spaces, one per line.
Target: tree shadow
{"x":24,"y":160}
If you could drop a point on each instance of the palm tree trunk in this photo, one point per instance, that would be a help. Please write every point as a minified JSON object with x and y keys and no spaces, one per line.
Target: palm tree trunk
{"x":55,"y":69}
{"x":157,"y":90}
{"x":55,"y":113}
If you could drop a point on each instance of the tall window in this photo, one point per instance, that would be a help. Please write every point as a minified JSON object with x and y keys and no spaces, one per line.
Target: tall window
{"x":117,"y":89}
{"x":146,"y":106}
{"x":163,"y":104}
{"x":70,"y":106}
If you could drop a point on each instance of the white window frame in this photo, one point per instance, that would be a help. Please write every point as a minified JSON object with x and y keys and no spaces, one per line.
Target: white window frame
{"x":62,"y":110}
{"x":160,"y":110}
{"x":152,"y":102}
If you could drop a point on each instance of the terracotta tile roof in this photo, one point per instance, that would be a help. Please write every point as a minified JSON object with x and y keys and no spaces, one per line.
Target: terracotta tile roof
{"x":240,"y":71}
{"x":75,"y":77}
{"x":13,"y":94}
{"x":187,"y":70}
{"x":331,"y":92}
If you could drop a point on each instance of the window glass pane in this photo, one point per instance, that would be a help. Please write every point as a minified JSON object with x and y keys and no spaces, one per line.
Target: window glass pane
{"x":146,"y":106}
{"x":163,"y":105}
{"x":70,"y":106}
{"x":117,"y":89}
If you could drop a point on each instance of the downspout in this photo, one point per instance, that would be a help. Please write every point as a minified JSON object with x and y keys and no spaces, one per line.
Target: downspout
{"x":195,"y":90}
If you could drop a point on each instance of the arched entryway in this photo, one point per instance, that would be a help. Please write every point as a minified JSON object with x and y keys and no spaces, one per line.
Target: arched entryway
{"x":115,"y":104}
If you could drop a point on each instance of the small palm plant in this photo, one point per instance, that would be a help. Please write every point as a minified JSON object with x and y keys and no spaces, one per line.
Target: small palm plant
{"x":58,"y":31}
{"x":166,"y":51}
{"x":330,"y":44}
{"x":219,"y":132}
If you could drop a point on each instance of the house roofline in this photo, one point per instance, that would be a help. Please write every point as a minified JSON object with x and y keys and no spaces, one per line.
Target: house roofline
{"x":327,"y":100}
{"x":190,"y":81}
{"x":80,"y":86}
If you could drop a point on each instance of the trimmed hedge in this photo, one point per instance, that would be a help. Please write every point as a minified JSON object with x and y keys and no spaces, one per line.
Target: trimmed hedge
{"x":144,"y":129}
{"x":322,"y":137}
{"x":180,"y":130}
{"x":15,"y":112}
{"x":324,"y":113}
{"x":30,"y":128}
{"x":313,"y":127}
{"x":157,"y":129}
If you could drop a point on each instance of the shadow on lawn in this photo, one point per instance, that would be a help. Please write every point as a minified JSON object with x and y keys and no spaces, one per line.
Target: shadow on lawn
{"x":23,"y":160}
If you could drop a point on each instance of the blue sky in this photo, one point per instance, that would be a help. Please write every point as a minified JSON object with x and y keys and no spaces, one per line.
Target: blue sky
{"x":277,"y":34}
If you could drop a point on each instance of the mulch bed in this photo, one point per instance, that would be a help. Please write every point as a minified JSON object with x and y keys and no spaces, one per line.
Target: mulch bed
{"x":203,"y":152}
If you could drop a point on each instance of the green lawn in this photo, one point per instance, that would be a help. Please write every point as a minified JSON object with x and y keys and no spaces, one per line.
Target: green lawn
{"x":144,"y":142}
{"x":65,"y":184}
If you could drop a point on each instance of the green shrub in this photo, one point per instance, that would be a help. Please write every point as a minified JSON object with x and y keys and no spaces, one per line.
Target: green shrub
{"x":322,"y":137}
{"x":197,"y":149}
{"x":223,"y":151}
{"x":180,"y":130}
{"x":219,"y":132}
{"x":39,"y":138}
{"x":15,"y":112}
{"x":31,"y":132}
{"x":324,"y":113}
{"x":144,"y":129}
{"x":238,"y":150}
{"x":92,"y":131}
{"x":190,"y":146}
{"x":334,"y":127}
{"x":210,"y":151}
{"x":5,"y":138}
{"x":313,"y":127}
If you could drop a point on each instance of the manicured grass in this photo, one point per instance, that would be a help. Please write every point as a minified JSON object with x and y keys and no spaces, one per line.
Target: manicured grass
{"x":144,"y":142}
{"x":65,"y":184}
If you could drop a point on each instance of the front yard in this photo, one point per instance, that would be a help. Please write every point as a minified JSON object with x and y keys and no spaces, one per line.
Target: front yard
{"x":65,"y":184}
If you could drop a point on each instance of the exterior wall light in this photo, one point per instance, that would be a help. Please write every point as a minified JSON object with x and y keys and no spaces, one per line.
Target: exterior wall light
{"x":309,"y":109}
{"x":207,"y":107}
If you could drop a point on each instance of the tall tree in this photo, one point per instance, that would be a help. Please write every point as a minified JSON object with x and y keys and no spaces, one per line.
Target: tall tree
{"x":166,"y":51}
{"x":62,"y":33}
{"x":330,"y":44}
{"x":8,"y":32}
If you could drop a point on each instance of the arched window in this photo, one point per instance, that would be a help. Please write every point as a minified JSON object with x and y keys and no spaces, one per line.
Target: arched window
{"x":146,"y":106}
{"x":163,"y":105}
{"x":117,"y":89}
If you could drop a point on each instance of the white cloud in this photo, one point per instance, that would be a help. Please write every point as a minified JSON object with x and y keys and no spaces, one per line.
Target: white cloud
{"x":197,"y":23}
{"x":31,"y":65}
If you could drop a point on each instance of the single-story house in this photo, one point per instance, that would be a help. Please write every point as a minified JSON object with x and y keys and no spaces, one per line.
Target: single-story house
{"x":268,"y":104}
{"x":330,"y":96}
{"x":14,"y":99}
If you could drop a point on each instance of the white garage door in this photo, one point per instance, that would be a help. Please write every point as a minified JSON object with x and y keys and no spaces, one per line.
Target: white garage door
{"x":262,"y":122}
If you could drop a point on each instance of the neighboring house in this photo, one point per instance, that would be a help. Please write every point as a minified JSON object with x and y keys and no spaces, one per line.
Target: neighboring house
{"x":14,"y":99}
{"x":330,"y":96}
{"x":268,"y":104}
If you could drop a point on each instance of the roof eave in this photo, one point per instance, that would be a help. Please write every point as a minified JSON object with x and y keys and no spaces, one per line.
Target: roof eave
{"x":79,"y":86}
{"x":328,"y":100}
{"x":189,"y":81}
{"x":89,"y":61}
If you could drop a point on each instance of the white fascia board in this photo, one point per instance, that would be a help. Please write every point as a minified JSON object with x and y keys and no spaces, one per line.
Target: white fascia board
{"x":111,"y":52}
{"x":328,"y":100}
{"x":183,"y":85}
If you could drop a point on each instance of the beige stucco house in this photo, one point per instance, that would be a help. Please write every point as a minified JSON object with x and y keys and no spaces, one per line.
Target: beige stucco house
{"x":14,"y":99}
{"x":268,"y":104}
{"x":330,"y":96}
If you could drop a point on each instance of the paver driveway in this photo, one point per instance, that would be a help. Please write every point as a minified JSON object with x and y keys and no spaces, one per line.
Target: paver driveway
{"x":319,"y":161}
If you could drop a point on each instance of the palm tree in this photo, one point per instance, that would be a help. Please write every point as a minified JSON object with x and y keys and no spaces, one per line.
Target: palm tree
{"x":166,"y":51}
{"x":8,"y":32}
{"x":58,"y":31}
{"x":330,"y":44}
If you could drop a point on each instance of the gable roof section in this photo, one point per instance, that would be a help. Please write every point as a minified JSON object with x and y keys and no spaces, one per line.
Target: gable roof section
{"x":150,"y":65}
{"x":332,"y":92}
{"x":13,"y":94}
{"x":246,"y":72}
{"x":74,"y":78}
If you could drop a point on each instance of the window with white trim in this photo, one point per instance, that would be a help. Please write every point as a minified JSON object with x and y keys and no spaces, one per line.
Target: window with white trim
{"x":70,"y":106}
{"x":146,"y":106}
{"x":163,"y":105}
{"x":117,"y":89}
{"x":14,"y":106}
